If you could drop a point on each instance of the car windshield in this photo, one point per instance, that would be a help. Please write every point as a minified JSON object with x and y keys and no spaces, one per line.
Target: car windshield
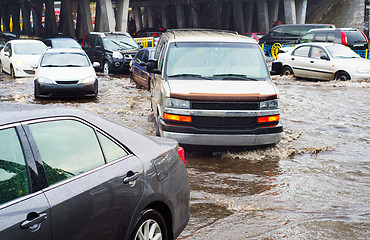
{"x":120,"y":43}
{"x":65,"y":43}
{"x":225,"y":61}
{"x":29,"y":48}
{"x":341,"y":51}
{"x":64,"y":60}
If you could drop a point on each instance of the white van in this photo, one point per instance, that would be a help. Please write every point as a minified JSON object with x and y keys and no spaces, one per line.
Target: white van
{"x":213,"y":87}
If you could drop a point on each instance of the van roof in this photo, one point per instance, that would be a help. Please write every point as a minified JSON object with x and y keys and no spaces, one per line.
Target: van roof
{"x":205,"y":35}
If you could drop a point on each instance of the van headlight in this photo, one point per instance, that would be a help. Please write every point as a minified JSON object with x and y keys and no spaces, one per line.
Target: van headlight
{"x":271,"y":104}
{"x":88,"y":80}
{"x":44,"y":80}
{"x":176,"y":103}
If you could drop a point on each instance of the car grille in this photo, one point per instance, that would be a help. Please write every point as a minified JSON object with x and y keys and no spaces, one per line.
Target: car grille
{"x":224,"y":122}
{"x":224,"y":105}
{"x":67,"y":82}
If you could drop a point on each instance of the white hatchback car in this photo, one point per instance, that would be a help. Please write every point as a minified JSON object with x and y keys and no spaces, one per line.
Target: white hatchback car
{"x":19,"y":57}
{"x":324,"y":61}
{"x":65,"y":72}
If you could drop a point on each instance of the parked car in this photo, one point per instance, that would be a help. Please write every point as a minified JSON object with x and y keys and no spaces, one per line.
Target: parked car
{"x":325,"y":61}
{"x":19,"y":57}
{"x":65,"y":72}
{"x":213,"y":88}
{"x":113,"y":51}
{"x":350,"y":37}
{"x":138,"y":71}
{"x":67,"y":174}
{"x":256,"y":36}
{"x":289,"y":32}
{"x":61,"y":43}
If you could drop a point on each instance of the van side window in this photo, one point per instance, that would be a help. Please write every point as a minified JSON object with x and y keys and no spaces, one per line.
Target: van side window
{"x":161,"y":56}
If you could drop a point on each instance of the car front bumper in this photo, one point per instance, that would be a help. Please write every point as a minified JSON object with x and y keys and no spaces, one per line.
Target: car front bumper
{"x":50,"y":90}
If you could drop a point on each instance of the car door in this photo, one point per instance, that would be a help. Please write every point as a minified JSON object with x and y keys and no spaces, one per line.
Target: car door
{"x":319,"y":68}
{"x":143,"y":73}
{"x":6,"y":55}
{"x":299,"y":61}
{"x":98,"y":51}
{"x":136,"y":66}
{"x":95,"y":184}
{"x":24,"y":209}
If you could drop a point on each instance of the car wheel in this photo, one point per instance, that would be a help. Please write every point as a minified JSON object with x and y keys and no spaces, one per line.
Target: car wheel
{"x":150,"y":226}
{"x":106,"y":68}
{"x":342,"y":76}
{"x":287,"y":70}
{"x":36,"y":92}
{"x":148,"y":86}
{"x":12,"y":72}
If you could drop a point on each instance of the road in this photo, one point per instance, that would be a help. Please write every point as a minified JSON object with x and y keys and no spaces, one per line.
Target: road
{"x":314,"y":184}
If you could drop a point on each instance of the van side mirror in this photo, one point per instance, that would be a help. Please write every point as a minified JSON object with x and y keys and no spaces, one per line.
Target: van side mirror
{"x":277,"y":68}
{"x":152,"y":66}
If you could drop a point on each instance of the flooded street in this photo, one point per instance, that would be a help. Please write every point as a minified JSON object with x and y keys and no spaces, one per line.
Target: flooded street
{"x":315,"y":184}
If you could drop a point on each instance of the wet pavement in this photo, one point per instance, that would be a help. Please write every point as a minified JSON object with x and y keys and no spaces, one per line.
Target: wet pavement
{"x":314,"y":184}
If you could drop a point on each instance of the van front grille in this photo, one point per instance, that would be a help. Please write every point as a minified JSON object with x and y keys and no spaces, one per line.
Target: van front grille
{"x":224,"y":105}
{"x":224,"y":122}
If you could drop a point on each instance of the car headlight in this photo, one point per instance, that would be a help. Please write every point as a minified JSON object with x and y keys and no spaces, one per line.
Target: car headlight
{"x":88,"y":80}
{"x":117,"y":55}
{"x":44,"y":80}
{"x":271,"y":104}
{"x":361,"y":70}
{"x":176,"y":103}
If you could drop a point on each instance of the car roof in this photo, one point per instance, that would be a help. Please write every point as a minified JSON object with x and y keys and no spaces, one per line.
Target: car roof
{"x":321,"y":44}
{"x":209,"y":35}
{"x":24,"y":40}
{"x":60,"y":39}
{"x":109,"y":34}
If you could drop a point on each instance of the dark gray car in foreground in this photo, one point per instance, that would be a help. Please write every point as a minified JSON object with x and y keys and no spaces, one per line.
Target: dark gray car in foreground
{"x":67,"y":174}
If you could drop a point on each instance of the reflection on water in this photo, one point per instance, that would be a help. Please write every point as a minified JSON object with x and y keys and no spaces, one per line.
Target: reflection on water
{"x":313,"y":185}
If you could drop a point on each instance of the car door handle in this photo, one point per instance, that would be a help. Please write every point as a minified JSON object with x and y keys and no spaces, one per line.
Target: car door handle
{"x":312,"y":61}
{"x":37,"y":218}
{"x":130,"y":177}
{"x":293,"y":59}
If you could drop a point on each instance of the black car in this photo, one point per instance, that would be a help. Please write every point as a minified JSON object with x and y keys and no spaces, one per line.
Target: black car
{"x":351,"y":37}
{"x":138,"y":72}
{"x":67,"y":174}
{"x":289,"y":32}
{"x":113,"y":51}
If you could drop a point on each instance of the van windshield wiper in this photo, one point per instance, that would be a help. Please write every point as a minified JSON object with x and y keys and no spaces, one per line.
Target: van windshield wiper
{"x":188,"y":75}
{"x":234,"y":76}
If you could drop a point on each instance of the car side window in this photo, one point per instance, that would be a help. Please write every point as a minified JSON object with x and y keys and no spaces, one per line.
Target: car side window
{"x":331,"y":37}
{"x":88,"y":42}
{"x":320,"y":37}
{"x":161,"y":56}
{"x":302,"y":51}
{"x":277,"y":32}
{"x":317,"y":52}
{"x":67,"y":148}
{"x":8,"y":48}
{"x":139,"y":56}
{"x":146,"y":56}
{"x":307,"y":38}
{"x":111,"y":150}
{"x":99,"y":43}
{"x":13,"y":172}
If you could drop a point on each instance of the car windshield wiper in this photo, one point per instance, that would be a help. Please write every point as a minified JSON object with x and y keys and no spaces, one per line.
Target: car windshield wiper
{"x":189,"y":75}
{"x":70,"y":65}
{"x":234,"y":76}
{"x":50,"y":65}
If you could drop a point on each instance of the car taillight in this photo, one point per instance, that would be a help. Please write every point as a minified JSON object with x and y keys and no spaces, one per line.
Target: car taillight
{"x":363,"y":34}
{"x":181,"y":153}
{"x":344,"y":38}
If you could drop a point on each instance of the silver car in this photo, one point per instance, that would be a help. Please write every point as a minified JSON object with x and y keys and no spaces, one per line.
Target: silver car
{"x":66,"y":174}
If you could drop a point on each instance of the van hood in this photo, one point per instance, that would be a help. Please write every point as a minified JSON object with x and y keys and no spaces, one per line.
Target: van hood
{"x":222,"y":90}
{"x":65,"y":73}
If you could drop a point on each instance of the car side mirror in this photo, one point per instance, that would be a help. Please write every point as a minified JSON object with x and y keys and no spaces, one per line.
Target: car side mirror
{"x":98,"y":48}
{"x":144,"y":64}
{"x":277,"y":68}
{"x":152,"y":66}
{"x":324,"y":57}
{"x":96,"y":64}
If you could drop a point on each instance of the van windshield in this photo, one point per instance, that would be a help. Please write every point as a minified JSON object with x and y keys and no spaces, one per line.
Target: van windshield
{"x":226,"y":61}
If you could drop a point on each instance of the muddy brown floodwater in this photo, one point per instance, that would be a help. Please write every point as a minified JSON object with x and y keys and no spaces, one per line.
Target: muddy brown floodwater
{"x":315,"y":184}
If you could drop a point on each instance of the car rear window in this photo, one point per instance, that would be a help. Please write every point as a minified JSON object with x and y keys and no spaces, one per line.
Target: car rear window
{"x":355,"y":36}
